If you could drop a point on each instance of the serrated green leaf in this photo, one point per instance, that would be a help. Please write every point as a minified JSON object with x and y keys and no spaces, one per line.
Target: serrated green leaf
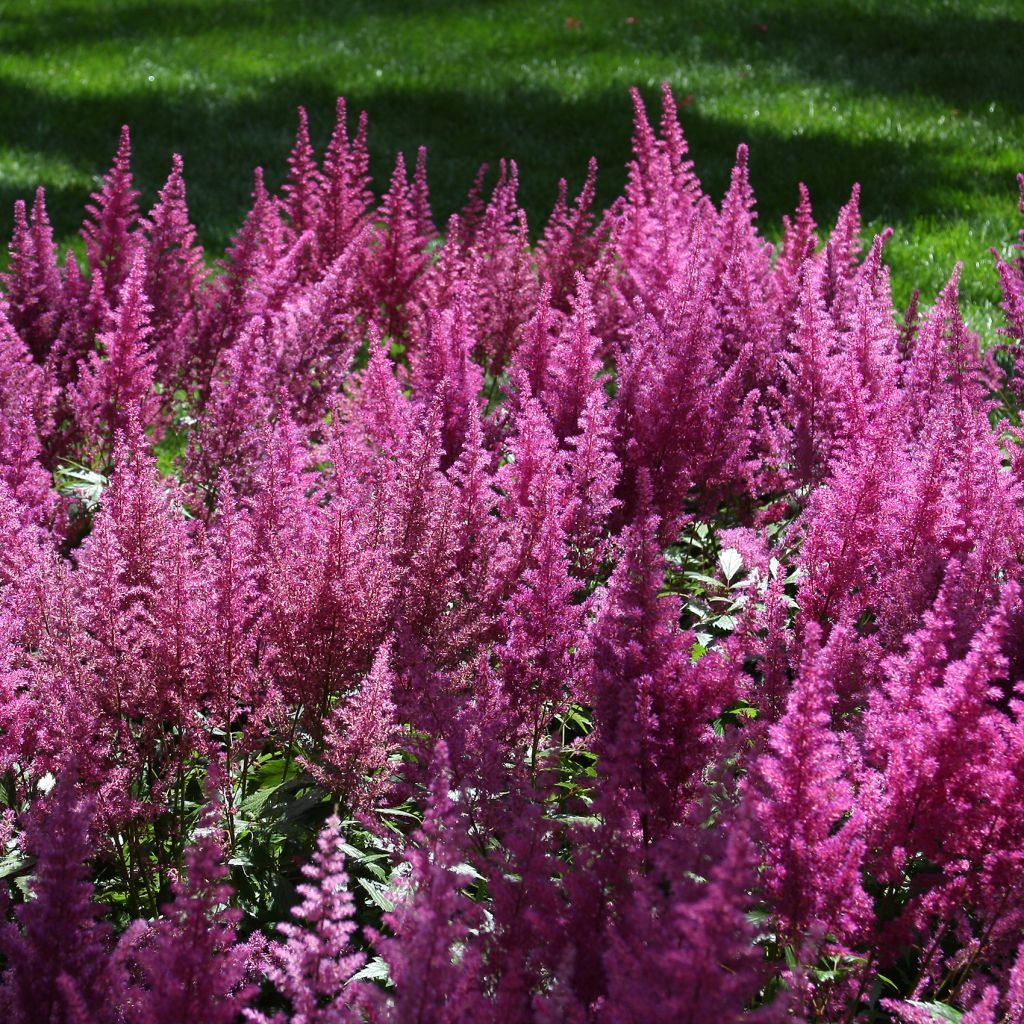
{"x":398,"y":812}
{"x":467,"y":869}
{"x":15,"y":862}
{"x":306,"y":802}
{"x":730,"y":561}
{"x":253,"y":804}
{"x":939,"y":1011}
{"x":699,"y":577}
{"x":376,"y":970}
{"x":377,"y":894}
{"x":590,"y":820}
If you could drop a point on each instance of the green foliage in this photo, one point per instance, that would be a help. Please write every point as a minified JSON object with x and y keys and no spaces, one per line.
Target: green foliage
{"x":940,"y":1011}
{"x":83,"y":485}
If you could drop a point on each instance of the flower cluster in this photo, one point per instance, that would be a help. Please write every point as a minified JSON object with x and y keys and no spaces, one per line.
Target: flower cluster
{"x":402,"y":624}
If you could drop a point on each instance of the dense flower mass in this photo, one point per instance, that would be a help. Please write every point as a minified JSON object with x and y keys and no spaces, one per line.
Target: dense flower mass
{"x":409,"y":624}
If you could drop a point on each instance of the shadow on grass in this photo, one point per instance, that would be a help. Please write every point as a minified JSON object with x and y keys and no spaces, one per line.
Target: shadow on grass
{"x":142,"y":21}
{"x":877,"y":46}
{"x":222,"y":142}
{"x":880,"y":45}
{"x":223,"y":135}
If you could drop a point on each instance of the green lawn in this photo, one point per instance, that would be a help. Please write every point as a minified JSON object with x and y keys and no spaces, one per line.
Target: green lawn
{"x":919,"y":101}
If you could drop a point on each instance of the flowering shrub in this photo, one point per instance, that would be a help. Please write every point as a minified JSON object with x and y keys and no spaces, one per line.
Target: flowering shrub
{"x":413,"y":625}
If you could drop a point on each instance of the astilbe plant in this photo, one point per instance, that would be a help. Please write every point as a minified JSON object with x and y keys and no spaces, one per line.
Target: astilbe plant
{"x":117,"y":385}
{"x":313,"y":963}
{"x":803,"y":802}
{"x":622,"y":627}
{"x":33,"y":283}
{"x":111,"y":223}
{"x":187,"y":963}
{"x":175,"y":278}
{"x":56,"y":951}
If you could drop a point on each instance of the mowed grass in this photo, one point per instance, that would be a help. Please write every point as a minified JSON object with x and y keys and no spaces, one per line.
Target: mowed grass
{"x":918,"y":101}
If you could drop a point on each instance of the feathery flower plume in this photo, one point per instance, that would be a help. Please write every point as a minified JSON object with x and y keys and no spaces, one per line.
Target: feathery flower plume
{"x":32,"y":282}
{"x":110,"y":227}
{"x":116,"y":386}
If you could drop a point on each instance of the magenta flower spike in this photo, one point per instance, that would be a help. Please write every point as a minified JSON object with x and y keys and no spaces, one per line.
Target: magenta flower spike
{"x":110,"y":229}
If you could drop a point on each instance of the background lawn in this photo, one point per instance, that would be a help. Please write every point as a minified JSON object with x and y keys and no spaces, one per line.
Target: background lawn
{"x":919,"y":101}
